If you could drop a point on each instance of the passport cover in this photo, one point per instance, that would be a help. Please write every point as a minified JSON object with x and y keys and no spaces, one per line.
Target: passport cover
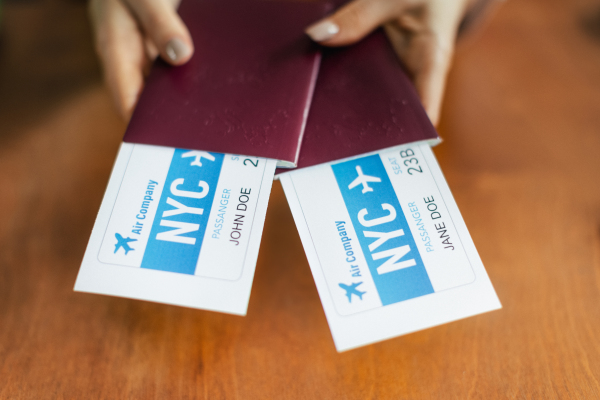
{"x":246,"y":89}
{"x":363,"y":102}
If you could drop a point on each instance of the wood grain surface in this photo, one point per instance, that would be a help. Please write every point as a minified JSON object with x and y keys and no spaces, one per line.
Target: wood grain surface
{"x":521,"y":124}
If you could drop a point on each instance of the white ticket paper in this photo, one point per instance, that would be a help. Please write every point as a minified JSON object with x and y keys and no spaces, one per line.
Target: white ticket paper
{"x":180,"y":227}
{"x":387,"y":246}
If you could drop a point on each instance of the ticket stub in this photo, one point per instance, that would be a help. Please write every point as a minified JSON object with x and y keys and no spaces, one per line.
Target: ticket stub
{"x":387,"y":246}
{"x":180,"y":227}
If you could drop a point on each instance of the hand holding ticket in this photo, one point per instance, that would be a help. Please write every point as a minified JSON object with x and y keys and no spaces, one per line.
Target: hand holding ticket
{"x":387,"y":246}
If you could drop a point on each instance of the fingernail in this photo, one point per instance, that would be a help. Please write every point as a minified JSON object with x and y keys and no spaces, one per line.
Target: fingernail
{"x":177,"y":50}
{"x":322,"y":31}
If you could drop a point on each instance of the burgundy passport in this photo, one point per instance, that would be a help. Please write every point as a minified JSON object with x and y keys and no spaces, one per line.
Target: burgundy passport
{"x":247,"y":88}
{"x":363,"y":102}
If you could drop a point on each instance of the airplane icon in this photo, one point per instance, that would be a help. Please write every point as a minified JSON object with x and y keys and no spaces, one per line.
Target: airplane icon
{"x":124,"y":243}
{"x":363,"y":180}
{"x":351,"y":290}
{"x":198,"y":156}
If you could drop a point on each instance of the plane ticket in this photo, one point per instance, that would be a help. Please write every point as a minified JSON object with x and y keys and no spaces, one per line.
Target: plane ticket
{"x":387,"y":246}
{"x":180,"y":227}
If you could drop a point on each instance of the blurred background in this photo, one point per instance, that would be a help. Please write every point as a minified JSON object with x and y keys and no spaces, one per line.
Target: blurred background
{"x":521,"y":123}
{"x":46,"y":55}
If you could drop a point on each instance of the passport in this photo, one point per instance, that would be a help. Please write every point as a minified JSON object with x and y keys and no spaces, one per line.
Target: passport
{"x":247,"y":88}
{"x":364,"y":101}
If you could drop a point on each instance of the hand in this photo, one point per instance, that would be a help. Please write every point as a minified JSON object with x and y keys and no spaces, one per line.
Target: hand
{"x":422,"y":32}
{"x":130,"y":34}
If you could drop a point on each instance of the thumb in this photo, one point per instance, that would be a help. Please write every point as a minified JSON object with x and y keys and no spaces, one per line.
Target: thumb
{"x":353,"y":21}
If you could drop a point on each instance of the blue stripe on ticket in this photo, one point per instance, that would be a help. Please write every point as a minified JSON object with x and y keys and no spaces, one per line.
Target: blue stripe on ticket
{"x":383,"y":232}
{"x":182,"y":215}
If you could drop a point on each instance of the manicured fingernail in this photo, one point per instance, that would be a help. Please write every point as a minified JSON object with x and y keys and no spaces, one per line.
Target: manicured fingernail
{"x":322,"y":31}
{"x":177,"y":50}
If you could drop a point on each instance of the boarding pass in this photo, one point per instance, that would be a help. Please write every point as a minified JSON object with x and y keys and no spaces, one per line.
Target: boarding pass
{"x":387,"y":246}
{"x":180,"y":227}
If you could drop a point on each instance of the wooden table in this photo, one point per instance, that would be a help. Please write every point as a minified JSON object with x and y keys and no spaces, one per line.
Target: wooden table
{"x":522,"y":154}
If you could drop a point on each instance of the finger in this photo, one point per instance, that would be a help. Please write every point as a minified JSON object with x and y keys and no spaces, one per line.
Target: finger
{"x":430,"y":78}
{"x":438,"y":50}
{"x":354,"y":21}
{"x":161,"y":23}
{"x":427,"y":49}
{"x":121,"y":48}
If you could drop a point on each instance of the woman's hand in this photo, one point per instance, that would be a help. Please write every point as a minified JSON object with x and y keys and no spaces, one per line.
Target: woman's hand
{"x":130,"y":34}
{"x":422,"y":32}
